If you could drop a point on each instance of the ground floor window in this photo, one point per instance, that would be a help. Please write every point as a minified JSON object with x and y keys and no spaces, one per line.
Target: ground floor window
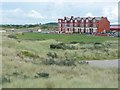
{"x":68,"y":29}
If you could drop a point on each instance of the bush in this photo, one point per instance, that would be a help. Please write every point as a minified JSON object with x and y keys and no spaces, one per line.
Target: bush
{"x":98,"y":45}
{"x":6,"y":79}
{"x":83,"y":62}
{"x":53,"y":61}
{"x":29,"y":54}
{"x":67,"y":62}
{"x":41,"y":74}
{"x":53,"y":55}
{"x":49,"y":61}
{"x":12,"y":36}
{"x":57,"y":46}
{"x":62,"y":46}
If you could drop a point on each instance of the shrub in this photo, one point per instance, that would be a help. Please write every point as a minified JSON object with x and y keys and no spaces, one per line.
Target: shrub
{"x":66,"y":62}
{"x":53,"y":61}
{"x":6,"y":79}
{"x":83,"y":62}
{"x":41,"y":74}
{"x":29,"y":54}
{"x":57,"y":46}
{"x":53,"y":55}
{"x":62,"y":46}
{"x":22,"y":33}
{"x":16,"y":73}
{"x":12,"y":36}
{"x":48,"y":61}
{"x":98,"y":45}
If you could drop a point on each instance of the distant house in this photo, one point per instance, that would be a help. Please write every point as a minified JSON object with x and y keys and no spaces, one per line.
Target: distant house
{"x":2,"y":31}
{"x":89,"y":25}
{"x":114,"y":28}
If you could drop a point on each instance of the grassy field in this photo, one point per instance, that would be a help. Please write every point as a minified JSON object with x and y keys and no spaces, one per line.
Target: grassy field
{"x":64,"y":37}
{"x":30,"y":63}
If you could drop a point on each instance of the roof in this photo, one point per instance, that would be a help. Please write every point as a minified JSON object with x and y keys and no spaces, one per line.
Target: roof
{"x":84,"y":18}
{"x":98,"y":18}
{"x":115,"y":27}
{"x":90,"y":18}
{"x":118,"y":27}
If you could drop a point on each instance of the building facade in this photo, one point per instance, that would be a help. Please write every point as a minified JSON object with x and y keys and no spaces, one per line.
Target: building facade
{"x":83,"y":25}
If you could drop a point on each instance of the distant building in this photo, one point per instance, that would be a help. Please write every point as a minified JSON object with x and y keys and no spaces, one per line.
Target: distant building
{"x":114,"y":28}
{"x":83,"y":25}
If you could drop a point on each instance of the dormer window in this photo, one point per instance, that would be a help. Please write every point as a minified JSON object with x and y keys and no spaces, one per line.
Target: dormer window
{"x":75,"y":20}
{"x":94,"y":20}
{"x":71,"y":20}
{"x":82,"y":20}
{"x":87,"y":20}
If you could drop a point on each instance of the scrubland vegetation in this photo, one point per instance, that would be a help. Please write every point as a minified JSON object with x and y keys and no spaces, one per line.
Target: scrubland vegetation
{"x":33,"y":60}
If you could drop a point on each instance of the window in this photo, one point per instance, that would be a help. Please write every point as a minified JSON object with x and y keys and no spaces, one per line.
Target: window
{"x":68,"y":29}
{"x":82,"y":20}
{"x":60,"y":25}
{"x":94,"y":20}
{"x":87,"y":20}
{"x":86,"y":25}
{"x":82,"y":25}
{"x":94,"y":25}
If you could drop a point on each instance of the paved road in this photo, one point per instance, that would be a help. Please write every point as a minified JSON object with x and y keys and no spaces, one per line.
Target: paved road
{"x":105,"y":63}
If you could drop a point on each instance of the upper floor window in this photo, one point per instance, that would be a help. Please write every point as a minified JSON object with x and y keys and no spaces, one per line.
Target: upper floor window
{"x":81,"y":25}
{"x":60,"y":25}
{"x":94,"y":25}
{"x":71,"y":20}
{"x":87,"y":20}
{"x":94,"y":20}
{"x":82,"y":20}
{"x":59,"y":20}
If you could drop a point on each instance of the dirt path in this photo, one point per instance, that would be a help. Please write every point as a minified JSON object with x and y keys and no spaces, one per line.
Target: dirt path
{"x":104,"y":63}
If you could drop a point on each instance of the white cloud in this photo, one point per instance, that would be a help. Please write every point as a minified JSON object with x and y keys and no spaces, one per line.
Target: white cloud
{"x":59,"y":1}
{"x":35,"y":14}
{"x":89,"y":14}
{"x":19,"y":13}
{"x":111,"y":13}
{"x":20,"y":16}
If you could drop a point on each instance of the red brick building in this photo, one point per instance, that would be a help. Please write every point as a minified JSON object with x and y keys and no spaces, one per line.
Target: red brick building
{"x":83,"y":25}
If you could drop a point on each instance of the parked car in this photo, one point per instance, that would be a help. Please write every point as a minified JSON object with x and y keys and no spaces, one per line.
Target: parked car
{"x":116,"y":34}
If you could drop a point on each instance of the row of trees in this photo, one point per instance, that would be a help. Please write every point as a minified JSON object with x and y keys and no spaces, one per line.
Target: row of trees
{"x":47,"y":26}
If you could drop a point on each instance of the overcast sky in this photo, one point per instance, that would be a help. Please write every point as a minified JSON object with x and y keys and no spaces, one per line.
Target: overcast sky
{"x":44,"y":11}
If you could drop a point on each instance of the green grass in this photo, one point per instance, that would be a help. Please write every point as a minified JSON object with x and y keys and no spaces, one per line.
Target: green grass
{"x":64,"y":37}
{"x":19,"y":68}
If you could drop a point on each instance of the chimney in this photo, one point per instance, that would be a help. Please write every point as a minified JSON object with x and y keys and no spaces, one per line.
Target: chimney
{"x":71,"y":17}
{"x":65,"y":18}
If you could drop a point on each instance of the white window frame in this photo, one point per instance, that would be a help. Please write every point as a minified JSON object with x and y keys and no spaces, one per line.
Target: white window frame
{"x":82,"y":20}
{"x":94,"y":20}
{"x":75,"y":20}
{"x":86,"y":20}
